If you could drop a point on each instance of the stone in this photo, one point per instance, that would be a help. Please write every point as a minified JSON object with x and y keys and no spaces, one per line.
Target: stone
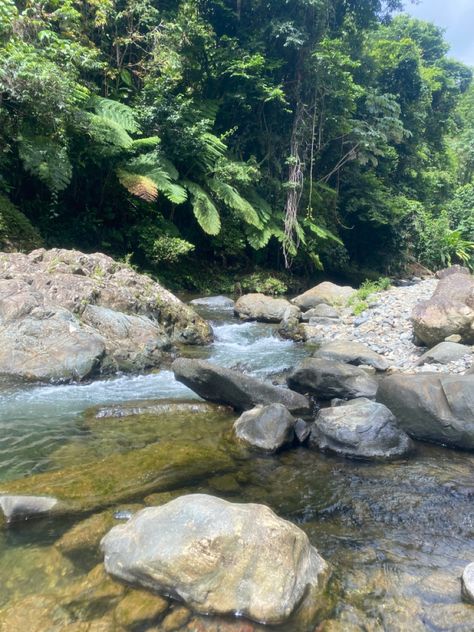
{"x":175,"y":620}
{"x":320,"y":311}
{"x":139,"y":608}
{"x":450,"y":311}
{"x":264,"y":309}
{"x":467,"y":583}
{"x":119,"y":478}
{"x":219,"y":558}
{"x":456,"y":269}
{"x":16,"y":508}
{"x":351,"y":353}
{"x":267,"y":428}
{"x":65,"y":316}
{"x":242,"y":392}
{"x":432,"y":407}
{"x":453,"y":338}
{"x":213,"y":302}
{"x":444,"y":353}
{"x":327,"y":293}
{"x":302,"y":430}
{"x":360,"y":429}
{"x":327,"y":379}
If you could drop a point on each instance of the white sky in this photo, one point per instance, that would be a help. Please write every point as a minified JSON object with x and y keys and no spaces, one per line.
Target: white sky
{"x":456,"y":17}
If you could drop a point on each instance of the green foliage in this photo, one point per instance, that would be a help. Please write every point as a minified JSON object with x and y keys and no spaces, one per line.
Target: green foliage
{"x":360,"y":300}
{"x":264,"y":283}
{"x":16,"y":231}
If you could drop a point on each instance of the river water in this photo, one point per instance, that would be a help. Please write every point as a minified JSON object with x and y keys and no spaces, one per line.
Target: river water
{"x":397,"y":535}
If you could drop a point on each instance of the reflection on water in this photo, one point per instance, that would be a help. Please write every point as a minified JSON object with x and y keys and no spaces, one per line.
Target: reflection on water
{"x":397,"y":536}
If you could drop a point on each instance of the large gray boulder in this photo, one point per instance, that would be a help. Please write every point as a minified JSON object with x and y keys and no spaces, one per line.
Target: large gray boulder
{"x":360,"y":429}
{"x":219,"y":558}
{"x":265,"y":309}
{"x":327,"y":379}
{"x":432,"y":407}
{"x":225,"y":386}
{"x":327,"y":293}
{"x":65,"y":315}
{"x":467,"y":583}
{"x":450,"y":311}
{"x":444,"y":352}
{"x":351,"y":353}
{"x":267,"y":428}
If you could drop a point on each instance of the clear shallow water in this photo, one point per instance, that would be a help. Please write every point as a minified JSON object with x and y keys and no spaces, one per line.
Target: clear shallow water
{"x":397,"y":535}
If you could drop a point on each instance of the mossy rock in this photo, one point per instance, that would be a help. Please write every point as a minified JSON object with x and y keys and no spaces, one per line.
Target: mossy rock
{"x":17,"y":233}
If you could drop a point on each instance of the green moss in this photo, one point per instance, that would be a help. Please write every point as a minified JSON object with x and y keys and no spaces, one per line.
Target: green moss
{"x":17,"y":233}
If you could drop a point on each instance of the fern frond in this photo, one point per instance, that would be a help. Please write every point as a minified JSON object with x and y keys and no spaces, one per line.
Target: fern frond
{"x":161,"y":172}
{"x":204,"y":209}
{"x":140,"y":186}
{"x":107,"y":132}
{"x":116,"y":112}
{"x":146,"y":143}
{"x":46,"y":160}
{"x":213,"y":149}
{"x":232,"y":198}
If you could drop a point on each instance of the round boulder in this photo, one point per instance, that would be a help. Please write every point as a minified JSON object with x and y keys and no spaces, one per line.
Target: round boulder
{"x":219,"y":558}
{"x":266,"y":427}
{"x":467,"y":583}
{"x":265,"y":309}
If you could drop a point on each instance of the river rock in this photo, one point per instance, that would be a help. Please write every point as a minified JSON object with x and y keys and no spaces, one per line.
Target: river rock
{"x":213,"y":302}
{"x":456,"y":269}
{"x":432,"y":407}
{"x":448,"y":312}
{"x":351,"y":353}
{"x":225,"y":386}
{"x":444,"y":352}
{"x":327,"y":379}
{"x":327,"y":293}
{"x":15,"y":508}
{"x":265,"y":309}
{"x":360,"y":429}
{"x":320,"y":311}
{"x":219,"y":558}
{"x":65,"y":315}
{"x":266,"y":427}
{"x":467,"y":583}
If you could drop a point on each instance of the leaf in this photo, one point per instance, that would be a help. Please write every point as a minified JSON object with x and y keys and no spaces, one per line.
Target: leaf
{"x":161,"y":172}
{"x":46,"y":160}
{"x":204,"y":209}
{"x":138,"y":185}
{"x":232,"y":198}
{"x":116,"y":112}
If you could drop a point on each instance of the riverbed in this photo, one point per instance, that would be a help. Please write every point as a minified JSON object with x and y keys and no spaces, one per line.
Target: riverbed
{"x":397,"y":535}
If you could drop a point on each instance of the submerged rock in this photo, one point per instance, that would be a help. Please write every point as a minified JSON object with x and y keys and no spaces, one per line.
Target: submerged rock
{"x":219,"y":558}
{"x":266,"y":427}
{"x":450,"y":311}
{"x":139,"y":608}
{"x":361,"y":429}
{"x":123,"y":477}
{"x":432,"y":407}
{"x":240,"y":391}
{"x":467,"y":583}
{"x":264,"y":309}
{"x":327,"y":379}
{"x":15,"y":508}
{"x":351,"y":353}
{"x":65,"y":315}
{"x":327,"y":293}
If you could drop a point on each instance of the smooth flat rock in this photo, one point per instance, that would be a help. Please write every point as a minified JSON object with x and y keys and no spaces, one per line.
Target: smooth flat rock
{"x":327,"y":293}
{"x":233,"y":388}
{"x":351,"y":353}
{"x":327,"y":379}
{"x":16,"y":508}
{"x":264,"y":309}
{"x":444,"y":353}
{"x":320,"y":311}
{"x":213,"y":302}
{"x":360,"y":429}
{"x":432,"y":407}
{"x":219,"y":558}
{"x":266,"y":427}
{"x":467,"y":583}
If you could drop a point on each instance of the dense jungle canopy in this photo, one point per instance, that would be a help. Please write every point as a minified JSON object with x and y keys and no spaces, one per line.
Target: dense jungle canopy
{"x":235,"y":134}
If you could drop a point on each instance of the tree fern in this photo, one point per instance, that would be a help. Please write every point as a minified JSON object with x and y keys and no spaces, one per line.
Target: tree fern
{"x":108,"y":133}
{"x":46,"y":160}
{"x":159,"y":171}
{"x":204,"y":209}
{"x":232,"y":198}
{"x":139,"y":185}
{"x":116,"y":112}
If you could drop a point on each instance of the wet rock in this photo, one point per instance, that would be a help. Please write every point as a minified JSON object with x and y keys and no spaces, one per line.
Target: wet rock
{"x":84,"y":537}
{"x":320,"y":311}
{"x":233,"y":388}
{"x":120,"y":477}
{"x":150,"y":407}
{"x":467,"y":583}
{"x":219,"y":558}
{"x":34,"y":613}
{"x":213,"y":302}
{"x":361,"y":429}
{"x":226,"y":484}
{"x":450,"y":311}
{"x":66,"y":316}
{"x":327,"y":379}
{"x":327,"y":293}
{"x":302,"y":430}
{"x":430,"y":407}
{"x":444,"y":352}
{"x":351,"y":353}
{"x":267,"y":428}
{"x":16,"y":508}
{"x":176,"y":619}
{"x":264,"y":309}
{"x":139,"y":608}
